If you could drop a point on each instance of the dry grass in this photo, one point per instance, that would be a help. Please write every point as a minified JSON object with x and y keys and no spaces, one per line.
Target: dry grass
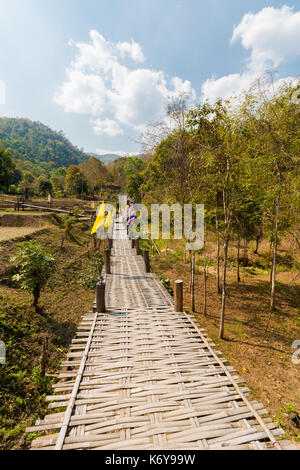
{"x":14,"y":233}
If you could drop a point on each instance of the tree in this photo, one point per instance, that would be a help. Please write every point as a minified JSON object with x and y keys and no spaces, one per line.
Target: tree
{"x":134,"y":183}
{"x":94,"y":172}
{"x":7,"y":168}
{"x":274,"y":123}
{"x":218,"y":165}
{"x":44,"y":187}
{"x":68,"y":224}
{"x":35,"y":267}
{"x":58,"y":180}
{"x":134,"y":165}
{"x":75,"y":181}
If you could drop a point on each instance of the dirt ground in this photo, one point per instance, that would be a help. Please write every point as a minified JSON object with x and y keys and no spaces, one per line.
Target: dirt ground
{"x":262,"y":358}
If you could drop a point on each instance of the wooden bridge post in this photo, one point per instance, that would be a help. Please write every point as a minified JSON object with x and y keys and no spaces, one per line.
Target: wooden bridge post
{"x":100,"y":297}
{"x":178,"y":296}
{"x":137,"y":246}
{"x":147,"y":262}
{"x":94,"y":241}
{"x":107,"y":261}
{"x":110,"y":244}
{"x":132,"y":243}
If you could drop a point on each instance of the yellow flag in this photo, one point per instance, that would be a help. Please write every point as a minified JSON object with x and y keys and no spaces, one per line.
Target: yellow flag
{"x":109,"y":220}
{"x":100,"y":218}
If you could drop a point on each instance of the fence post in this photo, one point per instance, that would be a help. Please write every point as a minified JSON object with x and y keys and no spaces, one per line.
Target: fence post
{"x":107,"y":261}
{"x":147,"y":262}
{"x":100,"y":297}
{"x":132,"y":243}
{"x":110,"y":244}
{"x":178,"y":296}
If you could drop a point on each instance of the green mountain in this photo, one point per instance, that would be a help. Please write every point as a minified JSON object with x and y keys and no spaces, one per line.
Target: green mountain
{"x":34,"y":143}
{"x":107,"y":158}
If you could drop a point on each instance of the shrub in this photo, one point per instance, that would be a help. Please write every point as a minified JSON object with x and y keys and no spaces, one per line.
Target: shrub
{"x":34,"y":268}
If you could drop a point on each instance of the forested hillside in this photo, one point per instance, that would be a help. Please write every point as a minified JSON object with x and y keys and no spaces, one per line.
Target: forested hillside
{"x":37,"y":143}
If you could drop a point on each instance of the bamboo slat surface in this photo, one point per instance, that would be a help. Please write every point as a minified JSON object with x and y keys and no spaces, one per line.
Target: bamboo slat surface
{"x":142,"y":376}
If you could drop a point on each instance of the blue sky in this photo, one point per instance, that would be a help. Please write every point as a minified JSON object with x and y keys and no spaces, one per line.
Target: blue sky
{"x":100,"y":70}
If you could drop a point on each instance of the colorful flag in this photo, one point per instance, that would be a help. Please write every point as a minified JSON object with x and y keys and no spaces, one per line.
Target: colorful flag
{"x":99,"y":219}
{"x":109,"y":220}
{"x":131,"y":219}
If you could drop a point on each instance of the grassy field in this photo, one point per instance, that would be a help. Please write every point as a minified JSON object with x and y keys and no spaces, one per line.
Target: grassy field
{"x":262,"y":358}
{"x":62,"y":304}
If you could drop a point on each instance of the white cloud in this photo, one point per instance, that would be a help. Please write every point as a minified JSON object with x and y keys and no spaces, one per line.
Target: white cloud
{"x":133,"y":49}
{"x":272,"y":36}
{"x":224,"y":87}
{"x":106,"y":127}
{"x":100,"y":83}
{"x":82,"y":93}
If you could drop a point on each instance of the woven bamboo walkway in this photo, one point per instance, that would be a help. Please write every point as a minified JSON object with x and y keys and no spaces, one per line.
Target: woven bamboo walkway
{"x":142,"y":376}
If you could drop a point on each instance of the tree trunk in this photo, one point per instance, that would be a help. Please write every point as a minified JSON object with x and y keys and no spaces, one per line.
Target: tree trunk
{"x":218,"y":256}
{"x":224,"y":285}
{"x":63,"y":237}
{"x":205,"y":288}
{"x":275,"y":245}
{"x":36,"y":296}
{"x":193,"y":281}
{"x":238,"y":259}
{"x":44,"y":358}
{"x":257,"y":245}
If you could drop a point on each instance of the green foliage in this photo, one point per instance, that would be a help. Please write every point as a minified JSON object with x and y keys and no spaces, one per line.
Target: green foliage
{"x":134,"y":183}
{"x":22,"y":389}
{"x":75,"y":181}
{"x":45,"y":187}
{"x":94,"y":172}
{"x":134,"y":165}
{"x":37,"y":143}
{"x":7,"y":168}
{"x":41,"y":381}
{"x":34,"y":267}
{"x":89,"y":280}
{"x":167,"y":284}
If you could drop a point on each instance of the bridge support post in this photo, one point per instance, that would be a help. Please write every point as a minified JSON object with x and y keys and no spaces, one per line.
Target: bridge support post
{"x":178,"y":296}
{"x":137,"y":246}
{"x":147,"y":262}
{"x":107,"y":261}
{"x":110,"y":244}
{"x":100,"y":297}
{"x":132,"y":243}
